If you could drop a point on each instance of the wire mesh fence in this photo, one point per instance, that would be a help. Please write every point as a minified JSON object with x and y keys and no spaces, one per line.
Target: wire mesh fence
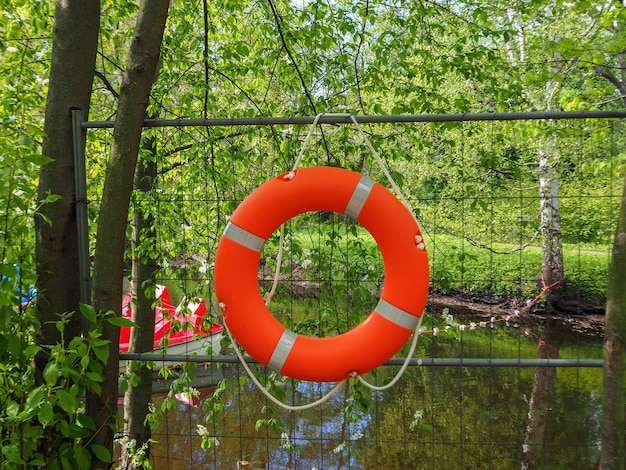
{"x":507,"y":371}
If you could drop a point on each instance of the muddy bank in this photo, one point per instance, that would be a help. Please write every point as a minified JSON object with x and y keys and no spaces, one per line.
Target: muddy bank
{"x":580,"y":318}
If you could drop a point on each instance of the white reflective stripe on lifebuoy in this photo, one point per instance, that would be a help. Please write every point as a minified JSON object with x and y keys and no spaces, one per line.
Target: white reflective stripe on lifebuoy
{"x":282,"y":350}
{"x":396,"y":315}
{"x":243,"y":237}
{"x":359,"y":196}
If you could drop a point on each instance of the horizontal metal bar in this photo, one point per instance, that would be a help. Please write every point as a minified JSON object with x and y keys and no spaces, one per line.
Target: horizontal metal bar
{"x":487,"y":362}
{"x":345,"y":119}
{"x":415,"y":362}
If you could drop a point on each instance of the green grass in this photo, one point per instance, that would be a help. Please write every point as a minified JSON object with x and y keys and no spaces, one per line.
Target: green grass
{"x":500,"y":270}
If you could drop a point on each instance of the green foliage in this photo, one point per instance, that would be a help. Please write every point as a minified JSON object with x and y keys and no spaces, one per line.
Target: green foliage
{"x":24,"y":52}
{"x":43,"y":422}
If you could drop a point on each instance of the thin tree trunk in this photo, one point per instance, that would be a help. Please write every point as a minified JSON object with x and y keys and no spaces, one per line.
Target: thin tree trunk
{"x":552,"y":250}
{"x":137,"y":398}
{"x":141,"y":66}
{"x":74,"y":47}
{"x":613,"y":454}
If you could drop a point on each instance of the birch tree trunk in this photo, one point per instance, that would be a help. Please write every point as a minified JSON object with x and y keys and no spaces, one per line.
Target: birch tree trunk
{"x":552,"y":269}
{"x":138,"y":77}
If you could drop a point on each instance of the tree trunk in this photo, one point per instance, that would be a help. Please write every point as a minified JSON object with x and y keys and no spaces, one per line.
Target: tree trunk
{"x":74,"y":47}
{"x":137,"y":398}
{"x":139,"y":75}
{"x":539,"y":403}
{"x":552,"y":250}
{"x":613,"y":455}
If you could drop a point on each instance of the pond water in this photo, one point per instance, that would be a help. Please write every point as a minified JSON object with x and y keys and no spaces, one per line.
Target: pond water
{"x":433,"y":418}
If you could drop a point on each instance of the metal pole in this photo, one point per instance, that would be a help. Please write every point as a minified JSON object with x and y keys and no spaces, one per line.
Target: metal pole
{"x":80,"y":188}
{"x":345,"y":119}
{"x":415,"y":362}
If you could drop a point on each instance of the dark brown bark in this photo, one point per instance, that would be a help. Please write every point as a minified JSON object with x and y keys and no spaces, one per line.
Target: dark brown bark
{"x":74,"y":47}
{"x":138,"y":397}
{"x":140,"y":70}
{"x":613,"y":455}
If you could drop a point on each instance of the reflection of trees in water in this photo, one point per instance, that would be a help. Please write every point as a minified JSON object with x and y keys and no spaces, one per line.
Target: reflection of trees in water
{"x":460,"y":417}
{"x":300,"y":440}
{"x":449,"y":417}
{"x":540,"y":398}
{"x":436,"y":417}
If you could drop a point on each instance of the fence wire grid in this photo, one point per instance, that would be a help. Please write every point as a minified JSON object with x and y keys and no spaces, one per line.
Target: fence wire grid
{"x":479,"y":378}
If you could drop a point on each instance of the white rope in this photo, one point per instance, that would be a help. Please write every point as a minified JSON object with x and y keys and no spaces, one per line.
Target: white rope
{"x":383,"y":167}
{"x":279,"y":257}
{"x":279,"y":261}
{"x":306,"y":140}
{"x":369,"y":145}
{"x":379,"y":388}
{"x":267,"y":393}
{"x":398,"y":191}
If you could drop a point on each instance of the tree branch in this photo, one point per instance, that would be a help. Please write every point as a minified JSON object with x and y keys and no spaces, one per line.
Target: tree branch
{"x":620,"y":85}
{"x":278,"y":23}
{"x":358,"y":53}
{"x":107,"y":84}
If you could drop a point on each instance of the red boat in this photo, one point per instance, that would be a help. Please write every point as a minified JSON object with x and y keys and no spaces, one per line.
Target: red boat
{"x":177,"y":330}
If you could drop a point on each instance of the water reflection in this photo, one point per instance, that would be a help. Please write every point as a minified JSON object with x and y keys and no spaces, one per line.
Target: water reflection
{"x":435,"y":417}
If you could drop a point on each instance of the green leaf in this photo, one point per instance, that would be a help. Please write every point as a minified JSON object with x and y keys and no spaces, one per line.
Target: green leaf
{"x":95,"y":377}
{"x":68,"y":402}
{"x":24,"y":140}
{"x":101,"y":453}
{"x":38,"y":159}
{"x":86,"y":421}
{"x":31,"y":350}
{"x":34,"y":397}
{"x":45,"y":414}
{"x":96,"y":389}
{"x":32,"y":432}
{"x":88,"y":312}
{"x":14,"y":344}
{"x":8,"y":270}
{"x":83,"y":457}
{"x":424,"y":428}
{"x":11,"y":453}
{"x":102,"y":352}
{"x":12,"y":409}
{"x":51,"y":373}
{"x":121,"y":322}
{"x":3,"y":344}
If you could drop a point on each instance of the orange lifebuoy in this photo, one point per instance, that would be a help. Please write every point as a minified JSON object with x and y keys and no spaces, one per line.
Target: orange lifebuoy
{"x":374,"y":340}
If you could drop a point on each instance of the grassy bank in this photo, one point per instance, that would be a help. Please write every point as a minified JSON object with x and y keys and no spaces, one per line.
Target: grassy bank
{"x":498,"y":269}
